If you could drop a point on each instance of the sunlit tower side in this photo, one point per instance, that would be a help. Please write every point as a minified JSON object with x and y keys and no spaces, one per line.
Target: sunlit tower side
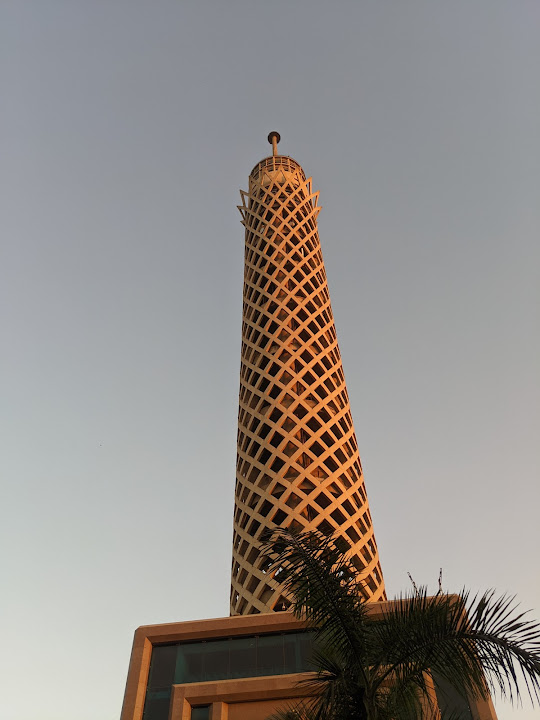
{"x":298,"y":464}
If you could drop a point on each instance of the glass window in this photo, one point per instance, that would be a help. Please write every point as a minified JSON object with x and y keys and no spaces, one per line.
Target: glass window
{"x":270,"y":659}
{"x":216,"y":659}
{"x":452,"y":704}
{"x":162,"y":666}
{"x":157,"y":704}
{"x":189,"y":663}
{"x":298,"y":649}
{"x":243,"y":658}
{"x":219,"y":660}
{"x":304,"y":643}
{"x":202,"y":712}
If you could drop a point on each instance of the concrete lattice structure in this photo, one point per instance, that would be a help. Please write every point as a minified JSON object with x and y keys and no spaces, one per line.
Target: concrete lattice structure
{"x":297,"y":458}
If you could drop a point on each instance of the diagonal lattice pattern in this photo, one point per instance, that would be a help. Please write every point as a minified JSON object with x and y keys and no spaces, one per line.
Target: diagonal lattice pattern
{"x":297,"y":457}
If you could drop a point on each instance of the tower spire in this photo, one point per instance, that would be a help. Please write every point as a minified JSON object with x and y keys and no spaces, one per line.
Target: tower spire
{"x":298,"y":465}
{"x":273,"y":138}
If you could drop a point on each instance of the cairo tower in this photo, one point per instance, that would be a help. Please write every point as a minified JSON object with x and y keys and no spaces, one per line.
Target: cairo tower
{"x":298,"y":465}
{"x":297,"y":468}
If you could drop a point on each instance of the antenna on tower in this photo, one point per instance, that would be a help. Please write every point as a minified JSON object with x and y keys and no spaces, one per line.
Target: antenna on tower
{"x":273,"y":138}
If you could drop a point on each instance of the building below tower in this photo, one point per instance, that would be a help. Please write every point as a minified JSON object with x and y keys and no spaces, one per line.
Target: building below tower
{"x":236,"y":668}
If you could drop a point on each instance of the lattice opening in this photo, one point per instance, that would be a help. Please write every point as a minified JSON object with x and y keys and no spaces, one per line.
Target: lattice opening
{"x":253,"y":556}
{"x":291,"y":473}
{"x":288,"y":424}
{"x":265,"y":565}
{"x":347,"y":506}
{"x":309,"y":513}
{"x":335,"y":490}
{"x":282,"y":604}
{"x":331,"y":464}
{"x":265,"y":595}
{"x":276,"y":439}
{"x":318,"y":472}
{"x":325,"y":528}
{"x":307,"y":486}
{"x":278,"y":490}
{"x":338,"y":516}
{"x":277,"y":465}
{"x":254,"y":499}
{"x":279,"y":518}
{"x":323,"y":500}
{"x":293,"y":501}
{"x":290,"y":448}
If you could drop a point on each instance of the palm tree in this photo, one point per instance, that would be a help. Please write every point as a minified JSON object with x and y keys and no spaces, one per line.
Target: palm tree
{"x":382,"y":667}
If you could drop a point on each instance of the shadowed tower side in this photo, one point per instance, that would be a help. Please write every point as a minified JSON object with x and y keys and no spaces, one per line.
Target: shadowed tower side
{"x":297,"y":458}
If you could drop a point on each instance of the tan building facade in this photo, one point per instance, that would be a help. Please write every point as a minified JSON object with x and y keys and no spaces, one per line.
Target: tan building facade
{"x":298,"y":464}
{"x":233,"y":668}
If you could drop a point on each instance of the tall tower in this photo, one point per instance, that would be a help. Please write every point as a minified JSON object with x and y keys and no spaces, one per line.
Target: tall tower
{"x":298,"y":467}
{"x":297,"y":458}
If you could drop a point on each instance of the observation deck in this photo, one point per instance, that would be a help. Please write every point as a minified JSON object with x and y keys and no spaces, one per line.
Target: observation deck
{"x":274,"y":163}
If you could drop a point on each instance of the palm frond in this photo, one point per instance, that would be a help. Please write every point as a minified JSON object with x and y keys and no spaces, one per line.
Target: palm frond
{"x":507,"y":643}
{"x":398,"y":667}
{"x":467,"y":641}
{"x":417,"y":635}
{"x":294,"y":711}
{"x":324,"y":587}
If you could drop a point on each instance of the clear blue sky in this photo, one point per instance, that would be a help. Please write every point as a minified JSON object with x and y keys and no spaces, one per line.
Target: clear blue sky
{"x":127,"y":130}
